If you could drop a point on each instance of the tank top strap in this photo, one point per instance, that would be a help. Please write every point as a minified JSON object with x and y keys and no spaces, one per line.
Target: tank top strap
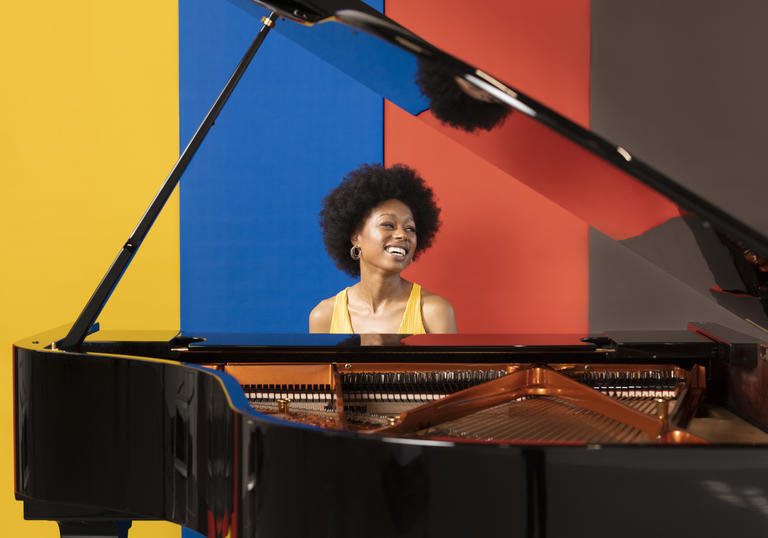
{"x":340,"y":322}
{"x":412,"y":322}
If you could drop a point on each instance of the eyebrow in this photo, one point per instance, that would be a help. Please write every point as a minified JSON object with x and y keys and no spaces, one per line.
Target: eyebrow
{"x":394,"y":216}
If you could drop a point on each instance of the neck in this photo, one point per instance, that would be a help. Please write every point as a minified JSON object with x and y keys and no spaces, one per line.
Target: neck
{"x":378,"y":288}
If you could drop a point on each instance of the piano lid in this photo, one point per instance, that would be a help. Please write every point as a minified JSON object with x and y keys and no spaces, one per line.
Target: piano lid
{"x":600,"y":182}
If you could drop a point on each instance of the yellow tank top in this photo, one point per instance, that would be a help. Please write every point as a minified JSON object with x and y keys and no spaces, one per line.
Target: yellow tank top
{"x":411,"y":323}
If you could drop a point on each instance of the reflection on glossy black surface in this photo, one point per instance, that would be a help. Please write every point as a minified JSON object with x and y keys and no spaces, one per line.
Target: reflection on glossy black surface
{"x":303,"y":11}
{"x":207,"y":340}
{"x":388,"y":70}
{"x":234,"y":340}
{"x":457,"y":102}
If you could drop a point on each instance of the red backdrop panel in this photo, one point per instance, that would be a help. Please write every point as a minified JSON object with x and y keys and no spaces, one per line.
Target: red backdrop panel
{"x":541,"y":48}
{"x":507,"y":258}
{"x":589,"y":187}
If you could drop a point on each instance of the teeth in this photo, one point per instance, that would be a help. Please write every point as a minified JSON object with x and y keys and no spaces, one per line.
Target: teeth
{"x":396,"y":250}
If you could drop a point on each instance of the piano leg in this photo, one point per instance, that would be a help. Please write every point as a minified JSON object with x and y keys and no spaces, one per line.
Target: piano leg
{"x":94,"y":529}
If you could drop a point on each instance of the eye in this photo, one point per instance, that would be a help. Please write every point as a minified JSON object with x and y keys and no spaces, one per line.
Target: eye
{"x":387,"y":225}
{"x":411,"y":229}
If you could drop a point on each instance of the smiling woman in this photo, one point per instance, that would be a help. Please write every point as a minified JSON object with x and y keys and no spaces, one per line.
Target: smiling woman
{"x":375,"y":223}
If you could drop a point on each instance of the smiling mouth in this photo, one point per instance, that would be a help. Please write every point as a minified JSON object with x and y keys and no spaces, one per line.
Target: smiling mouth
{"x":397,"y":251}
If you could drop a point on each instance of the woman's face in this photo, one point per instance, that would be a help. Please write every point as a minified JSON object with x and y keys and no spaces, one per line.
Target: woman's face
{"x":387,"y":238}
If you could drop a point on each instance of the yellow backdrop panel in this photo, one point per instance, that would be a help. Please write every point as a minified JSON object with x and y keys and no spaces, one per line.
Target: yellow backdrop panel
{"x":89,"y":102}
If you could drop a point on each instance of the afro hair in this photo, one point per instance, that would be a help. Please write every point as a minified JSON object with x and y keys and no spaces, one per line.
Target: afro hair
{"x":346,"y":207}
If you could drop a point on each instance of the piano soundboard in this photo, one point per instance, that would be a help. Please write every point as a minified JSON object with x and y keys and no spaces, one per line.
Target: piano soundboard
{"x":499,"y":403}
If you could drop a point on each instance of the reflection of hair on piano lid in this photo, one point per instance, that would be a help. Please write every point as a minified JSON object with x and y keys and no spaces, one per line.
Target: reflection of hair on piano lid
{"x":456,"y":102}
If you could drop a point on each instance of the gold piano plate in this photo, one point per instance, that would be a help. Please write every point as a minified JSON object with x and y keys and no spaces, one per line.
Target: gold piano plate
{"x":557,"y":403}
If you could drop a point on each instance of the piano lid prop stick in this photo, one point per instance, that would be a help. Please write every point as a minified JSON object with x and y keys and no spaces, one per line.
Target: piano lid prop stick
{"x":93,"y":307}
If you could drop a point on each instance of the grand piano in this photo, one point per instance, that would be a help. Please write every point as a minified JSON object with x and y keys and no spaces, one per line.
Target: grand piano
{"x":622,"y":433}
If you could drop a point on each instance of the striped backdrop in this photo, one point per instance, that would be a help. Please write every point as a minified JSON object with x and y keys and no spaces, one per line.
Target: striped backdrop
{"x":98,"y":97}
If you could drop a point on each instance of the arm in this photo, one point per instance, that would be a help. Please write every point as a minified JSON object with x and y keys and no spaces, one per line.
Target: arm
{"x":437,"y":314}
{"x":320,"y":317}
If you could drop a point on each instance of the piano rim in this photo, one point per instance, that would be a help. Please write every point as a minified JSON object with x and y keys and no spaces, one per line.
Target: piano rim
{"x":237,"y":401}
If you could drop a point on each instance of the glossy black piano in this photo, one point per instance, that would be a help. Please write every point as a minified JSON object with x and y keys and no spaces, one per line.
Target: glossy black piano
{"x":625,"y":433}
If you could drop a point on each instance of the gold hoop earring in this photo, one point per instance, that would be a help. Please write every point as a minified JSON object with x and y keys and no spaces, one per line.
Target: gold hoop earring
{"x":355,"y":252}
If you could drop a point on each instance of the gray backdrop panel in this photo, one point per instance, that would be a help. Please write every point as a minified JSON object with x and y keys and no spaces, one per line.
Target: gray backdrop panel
{"x":682,"y":85}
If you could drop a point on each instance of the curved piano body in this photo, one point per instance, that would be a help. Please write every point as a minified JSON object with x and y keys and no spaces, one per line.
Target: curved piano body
{"x":165,"y":430}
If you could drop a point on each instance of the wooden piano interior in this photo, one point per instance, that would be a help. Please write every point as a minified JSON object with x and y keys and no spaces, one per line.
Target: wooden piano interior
{"x":498,"y":403}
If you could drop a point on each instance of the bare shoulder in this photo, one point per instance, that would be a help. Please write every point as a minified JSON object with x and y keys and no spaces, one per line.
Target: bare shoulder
{"x":437,"y":313}
{"x":320,"y":317}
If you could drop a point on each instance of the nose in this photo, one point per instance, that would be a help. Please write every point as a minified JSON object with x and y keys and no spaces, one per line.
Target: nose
{"x":400,"y":232}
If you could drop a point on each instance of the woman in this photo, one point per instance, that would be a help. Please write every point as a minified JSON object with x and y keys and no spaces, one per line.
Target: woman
{"x":375,"y":223}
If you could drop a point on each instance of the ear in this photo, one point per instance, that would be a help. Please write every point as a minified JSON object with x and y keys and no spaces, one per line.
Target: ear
{"x":355,"y":238}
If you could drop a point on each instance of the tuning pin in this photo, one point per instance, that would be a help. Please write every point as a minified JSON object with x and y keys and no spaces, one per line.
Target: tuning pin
{"x":283,"y":405}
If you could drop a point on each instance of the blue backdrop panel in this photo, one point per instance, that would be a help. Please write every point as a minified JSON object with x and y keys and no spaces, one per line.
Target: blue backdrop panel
{"x":388,"y":70}
{"x":252,"y":258}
